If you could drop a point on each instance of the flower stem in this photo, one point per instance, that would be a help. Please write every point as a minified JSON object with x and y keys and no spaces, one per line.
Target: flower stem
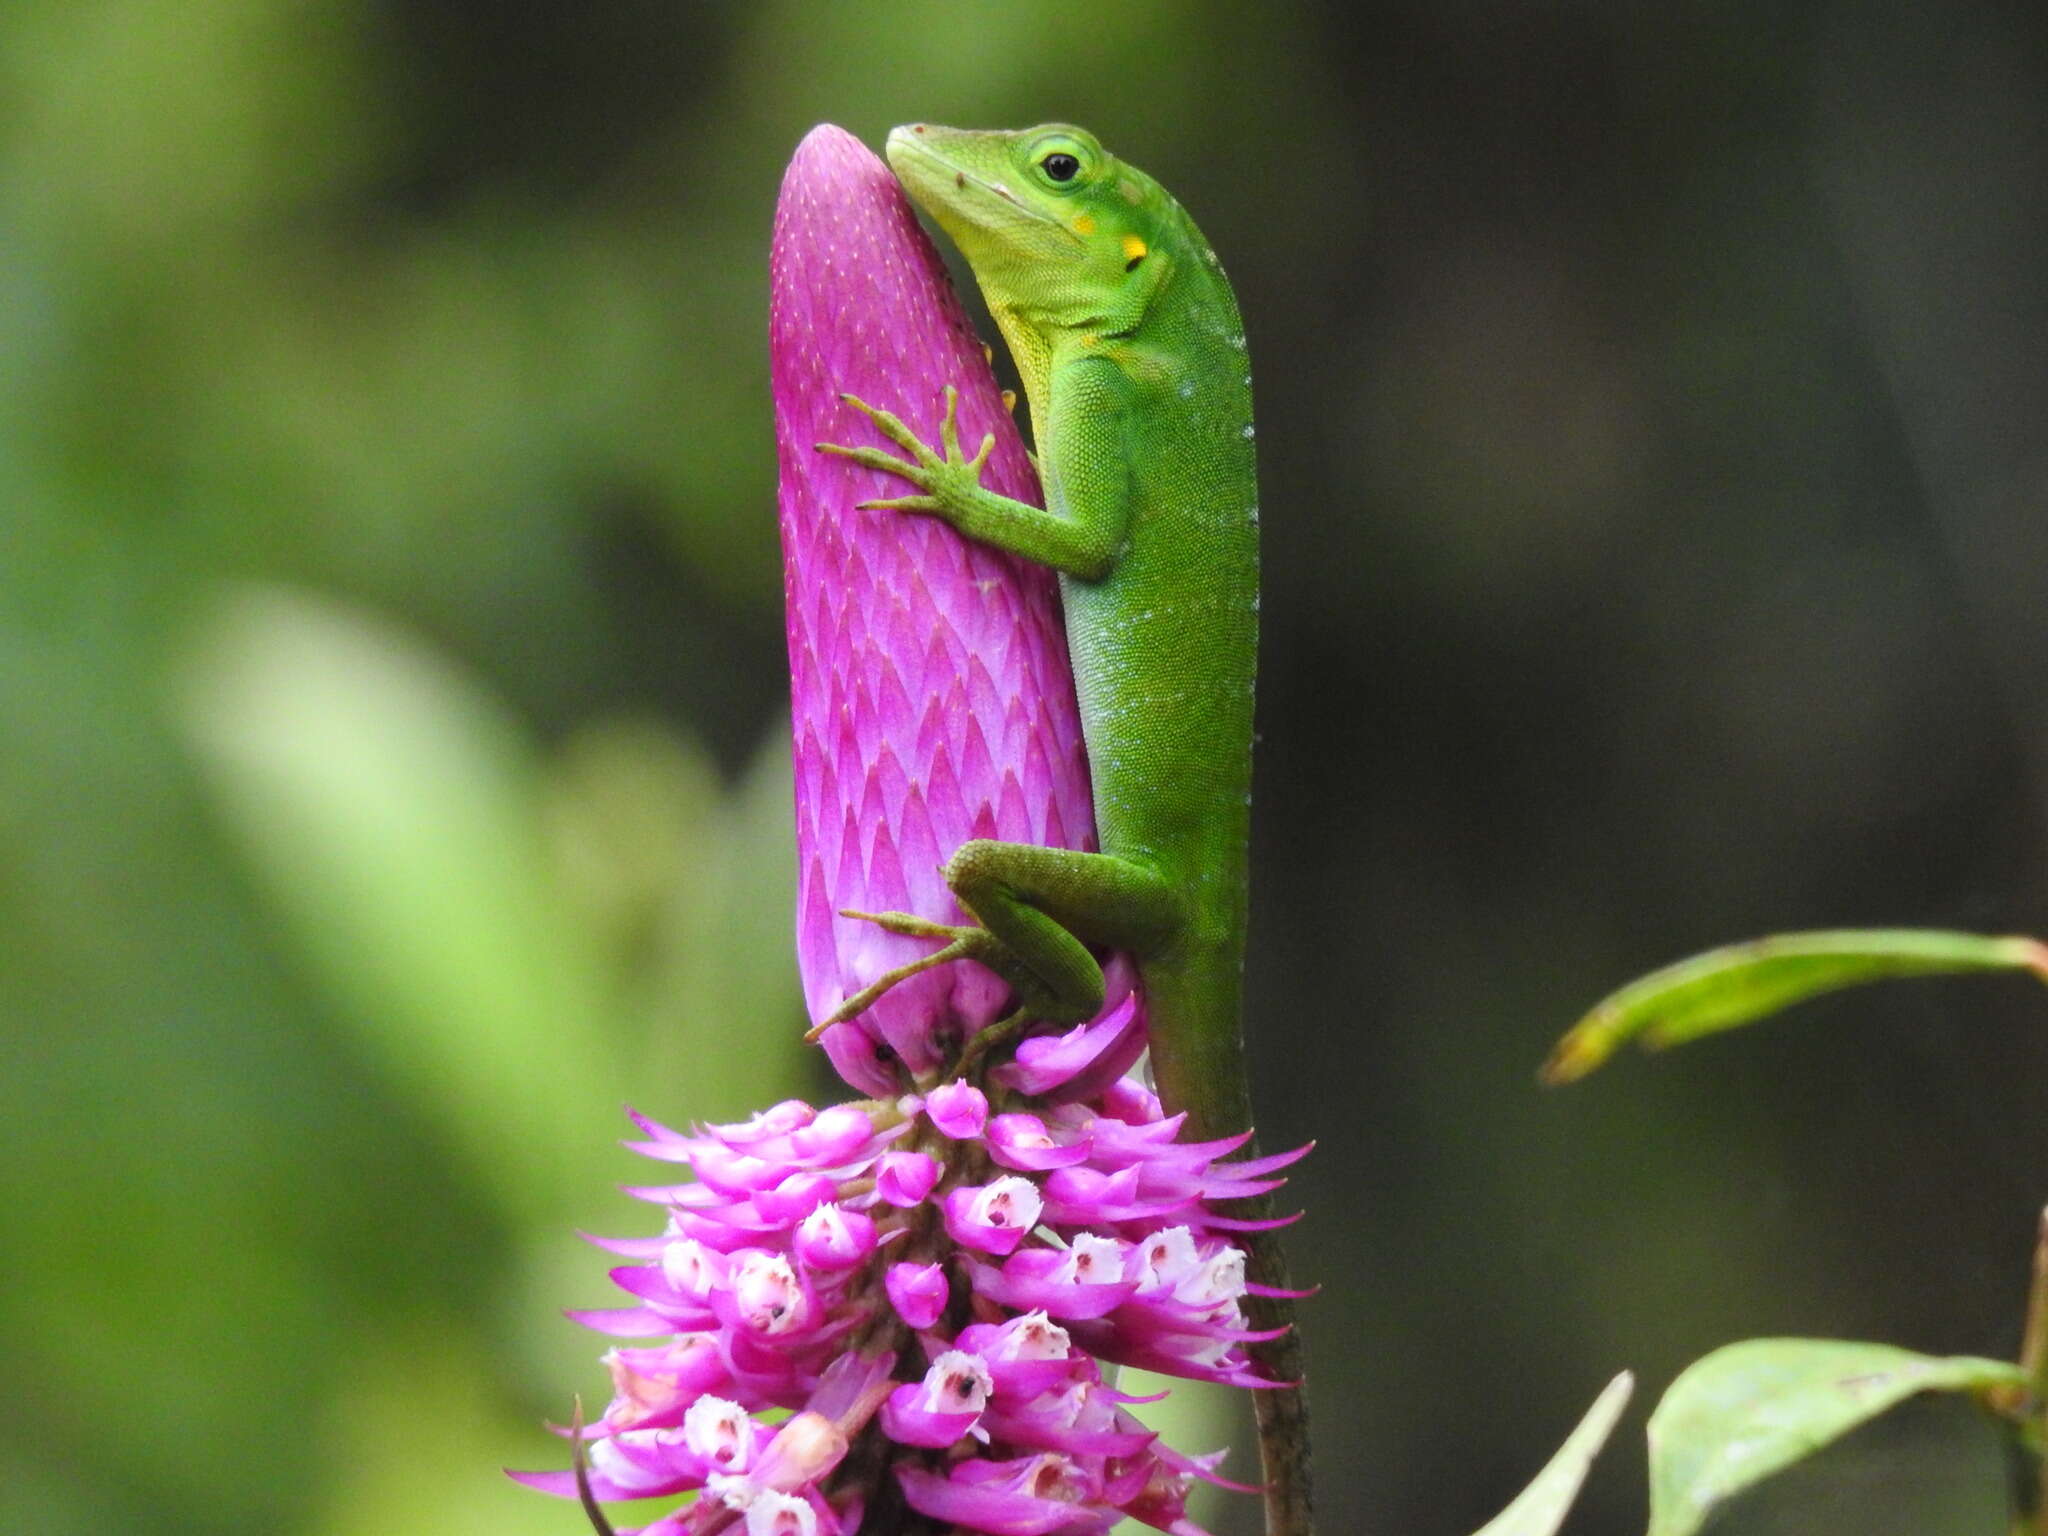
{"x":2034,"y":1361}
{"x":580,"y":1460}
{"x":1281,"y":1412}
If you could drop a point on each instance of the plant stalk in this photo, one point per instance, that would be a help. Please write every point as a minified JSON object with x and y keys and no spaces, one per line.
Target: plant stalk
{"x":2034,"y":1361}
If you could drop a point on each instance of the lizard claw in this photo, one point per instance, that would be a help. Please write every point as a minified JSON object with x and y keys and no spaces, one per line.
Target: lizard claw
{"x":891,"y":426}
{"x":902,"y":504}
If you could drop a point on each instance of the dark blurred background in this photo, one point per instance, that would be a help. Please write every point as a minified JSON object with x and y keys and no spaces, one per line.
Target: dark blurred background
{"x":392,"y":703}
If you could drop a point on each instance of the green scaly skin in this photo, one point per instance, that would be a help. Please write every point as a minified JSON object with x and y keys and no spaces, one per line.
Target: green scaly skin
{"x":1133,"y":358}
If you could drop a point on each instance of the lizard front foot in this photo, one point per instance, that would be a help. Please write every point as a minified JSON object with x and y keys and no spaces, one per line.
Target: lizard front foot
{"x":948,"y":482}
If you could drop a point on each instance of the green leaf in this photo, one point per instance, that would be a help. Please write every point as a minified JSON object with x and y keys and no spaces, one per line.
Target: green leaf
{"x":391,"y":808}
{"x":1755,"y":1408}
{"x":1541,"y":1507}
{"x":1742,"y":983}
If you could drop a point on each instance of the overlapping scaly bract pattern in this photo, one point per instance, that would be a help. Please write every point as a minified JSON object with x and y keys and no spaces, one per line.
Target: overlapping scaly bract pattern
{"x":904,"y":1307}
{"x":929,"y":688}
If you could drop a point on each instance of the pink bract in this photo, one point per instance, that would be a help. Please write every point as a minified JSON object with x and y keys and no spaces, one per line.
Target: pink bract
{"x":930,"y":693}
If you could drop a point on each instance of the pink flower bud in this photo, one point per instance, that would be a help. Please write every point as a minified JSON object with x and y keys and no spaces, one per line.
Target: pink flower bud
{"x":803,"y":1450}
{"x":959,"y":1109}
{"x":834,"y":1136}
{"x":1022,"y":1142}
{"x":993,"y":1218}
{"x":776,"y":1120}
{"x":918,"y":1292}
{"x":905,"y":1178}
{"x":795,"y":1197}
{"x":833,"y":1238}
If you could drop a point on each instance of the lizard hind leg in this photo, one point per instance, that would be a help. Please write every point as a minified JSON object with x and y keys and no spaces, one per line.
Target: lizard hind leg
{"x":1033,"y":999}
{"x":1038,"y":910}
{"x":961,"y":944}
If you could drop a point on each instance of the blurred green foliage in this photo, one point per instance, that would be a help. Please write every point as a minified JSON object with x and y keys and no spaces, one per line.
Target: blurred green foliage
{"x":391,"y":775}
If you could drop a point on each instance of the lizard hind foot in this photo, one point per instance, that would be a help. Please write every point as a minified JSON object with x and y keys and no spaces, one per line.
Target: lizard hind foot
{"x":961,"y":944}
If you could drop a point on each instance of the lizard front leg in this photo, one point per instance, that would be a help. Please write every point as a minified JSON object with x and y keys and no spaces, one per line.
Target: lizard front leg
{"x":1078,"y":532}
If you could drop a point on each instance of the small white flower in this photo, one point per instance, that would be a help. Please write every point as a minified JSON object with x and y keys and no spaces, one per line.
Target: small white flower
{"x":780,"y":1514}
{"x":957,"y":1382}
{"x":765,"y":1289}
{"x":1009,"y":1202}
{"x":1034,"y":1336}
{"x":1092,"y":1260}
{"x":720,"y":1432}
{"x":1165,"y":1259}
{"x":1216,"y":1280}
{"x":826,"y":1228}
{"x":689,"y":1266}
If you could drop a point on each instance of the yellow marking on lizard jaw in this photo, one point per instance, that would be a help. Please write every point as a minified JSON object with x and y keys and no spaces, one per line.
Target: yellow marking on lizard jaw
{"x":1084,"y":224}
{"x":1133,"y":248}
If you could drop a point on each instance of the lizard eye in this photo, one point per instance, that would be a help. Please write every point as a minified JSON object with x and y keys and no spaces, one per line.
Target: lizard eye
{"x":1060,"y":166}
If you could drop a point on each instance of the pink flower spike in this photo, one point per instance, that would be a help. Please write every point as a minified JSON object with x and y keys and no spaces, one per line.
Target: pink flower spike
{"x":802,"y":1252}
{"x":993,"y":1218}
{"x":959,"y":1110}
{"x":918,"y":1292}
{"x":777,"y":1120}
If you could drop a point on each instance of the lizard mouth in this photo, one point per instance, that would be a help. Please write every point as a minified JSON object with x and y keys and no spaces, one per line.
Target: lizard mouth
{"x":933,"y":169}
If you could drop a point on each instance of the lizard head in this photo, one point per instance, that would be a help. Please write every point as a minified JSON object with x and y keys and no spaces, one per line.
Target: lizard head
{"x":1061,"y":234}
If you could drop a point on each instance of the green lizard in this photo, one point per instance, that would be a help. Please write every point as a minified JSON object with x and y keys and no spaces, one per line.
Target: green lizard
{"x":1132,"y":355}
